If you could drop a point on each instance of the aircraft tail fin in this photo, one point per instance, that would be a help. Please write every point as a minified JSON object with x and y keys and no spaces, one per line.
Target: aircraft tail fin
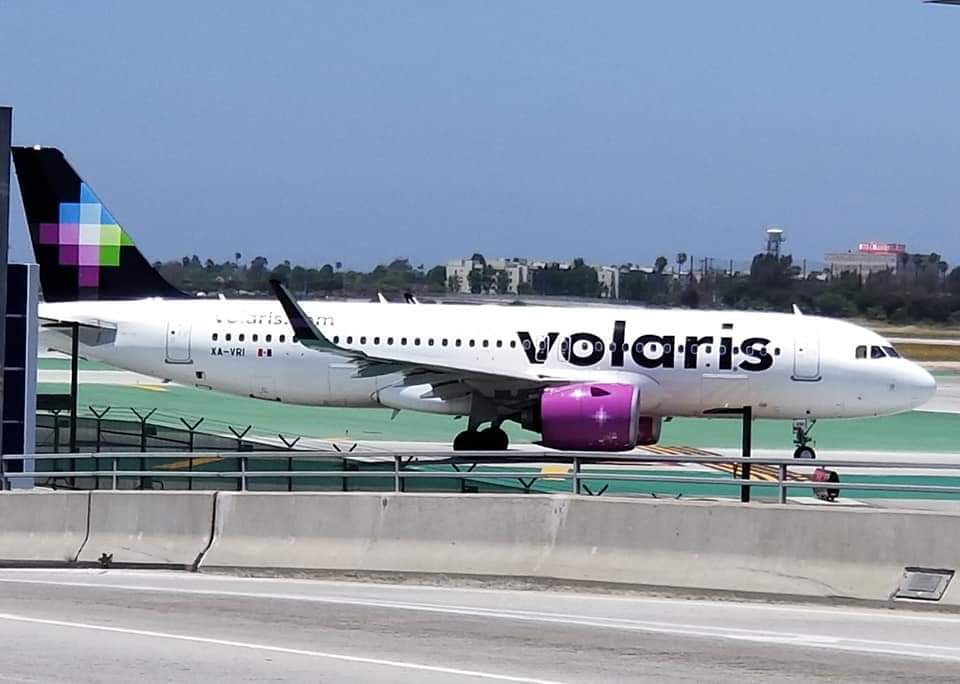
{"x":82,"y":250}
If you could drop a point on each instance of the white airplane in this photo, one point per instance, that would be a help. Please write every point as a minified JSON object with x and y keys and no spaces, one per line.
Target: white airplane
{"x":585,"y":378}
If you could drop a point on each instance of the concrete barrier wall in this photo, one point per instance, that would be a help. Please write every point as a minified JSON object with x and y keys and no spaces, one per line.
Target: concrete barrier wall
{"x":797,"y":550}
{"x":42,"y":529}
{"x":474,"y":534}
{"x":149,"y":528}
{"x":822,"y":551}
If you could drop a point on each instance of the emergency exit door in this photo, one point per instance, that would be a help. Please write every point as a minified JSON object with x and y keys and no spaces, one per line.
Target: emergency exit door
{"x":806,"y":357}
{"x":178,"y":342}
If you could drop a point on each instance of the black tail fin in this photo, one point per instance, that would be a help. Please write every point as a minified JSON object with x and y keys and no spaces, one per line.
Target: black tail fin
{"x":82,"y":251}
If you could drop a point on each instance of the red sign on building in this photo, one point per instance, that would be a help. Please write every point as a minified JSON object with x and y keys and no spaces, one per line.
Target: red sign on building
{"x":882,"y":247}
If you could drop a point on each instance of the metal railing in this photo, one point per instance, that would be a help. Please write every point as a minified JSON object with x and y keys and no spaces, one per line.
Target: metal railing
{"x":131,"y":471}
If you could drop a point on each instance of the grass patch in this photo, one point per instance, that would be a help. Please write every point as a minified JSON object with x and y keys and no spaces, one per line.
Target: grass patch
{"x":930,"y":352}
{"x":928,"y":331}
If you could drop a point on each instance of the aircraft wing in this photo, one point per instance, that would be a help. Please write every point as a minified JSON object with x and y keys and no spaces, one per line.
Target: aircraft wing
{"x":368,"y":365}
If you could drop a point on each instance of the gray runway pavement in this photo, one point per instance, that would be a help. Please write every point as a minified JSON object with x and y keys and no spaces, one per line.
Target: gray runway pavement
{"x":113,"y":626}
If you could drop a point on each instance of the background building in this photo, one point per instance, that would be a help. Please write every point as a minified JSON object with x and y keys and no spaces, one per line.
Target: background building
{"x":870,"y":257}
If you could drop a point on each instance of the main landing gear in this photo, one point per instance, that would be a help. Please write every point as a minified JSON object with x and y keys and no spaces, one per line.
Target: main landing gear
{"x":492,"y":438}
{"x":801,"y":438}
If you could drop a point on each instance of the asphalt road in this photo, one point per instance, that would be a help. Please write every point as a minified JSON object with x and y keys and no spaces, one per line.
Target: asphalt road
{"x":122,"y":626}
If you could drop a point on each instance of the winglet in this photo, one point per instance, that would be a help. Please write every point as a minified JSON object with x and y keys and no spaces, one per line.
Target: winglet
{"x":306,"y":331}
{"x":797,"y":311}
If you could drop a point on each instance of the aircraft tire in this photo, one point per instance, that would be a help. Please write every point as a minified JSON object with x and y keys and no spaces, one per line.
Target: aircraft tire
{"x":468,"y":440}
{"x":494,"y":439}
{"x":804,"y":453}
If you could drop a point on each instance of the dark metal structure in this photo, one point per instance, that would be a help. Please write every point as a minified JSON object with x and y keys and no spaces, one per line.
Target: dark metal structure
{"x":6,"y":122}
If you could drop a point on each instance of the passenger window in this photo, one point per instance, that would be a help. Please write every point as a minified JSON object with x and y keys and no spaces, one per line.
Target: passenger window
{"x":376,"y":340}
{"x":457,"y":343}
{"x":862,"y":352}
{"x":891,"y":352}
{"x":513,"y":344}
{"x":389,"y":340}
{"x":336,"y":339}
{"x":228,"y":336}
{"x":240,"y":337}
{"x":403,"y":341}
{"x":430,"y":342}
{"x":876,"y":352}
{"x":416,"y":341}
{"x":363,"y":339}
{"x":486,"y":343}
{"x":499,"y":343}
{"x":269,"y":338}
{"x":443,"y":342}
{"x":254,"y":337}
{"x":349,"y":339}
{"x":215,"y":336}
{"x":473,"y":343}
{"x":283,"y":338}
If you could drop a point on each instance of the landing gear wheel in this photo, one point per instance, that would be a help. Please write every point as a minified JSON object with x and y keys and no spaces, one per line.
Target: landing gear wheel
{"x":494,"y":439}
{"x":468,"y":440}
{"x":805,"y":452}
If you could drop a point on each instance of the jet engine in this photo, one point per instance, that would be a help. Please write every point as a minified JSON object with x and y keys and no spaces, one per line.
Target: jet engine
{"x":595,"y":417}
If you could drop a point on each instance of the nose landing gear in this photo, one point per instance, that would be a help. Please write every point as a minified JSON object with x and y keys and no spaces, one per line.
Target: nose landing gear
{"x":802,"y":440}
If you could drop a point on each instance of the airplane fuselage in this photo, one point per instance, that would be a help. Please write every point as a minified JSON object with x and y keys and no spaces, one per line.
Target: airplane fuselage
{"x":784,"y":366}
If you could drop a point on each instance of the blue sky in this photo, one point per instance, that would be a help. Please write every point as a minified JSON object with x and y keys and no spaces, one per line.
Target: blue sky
{"x":362,"y":131}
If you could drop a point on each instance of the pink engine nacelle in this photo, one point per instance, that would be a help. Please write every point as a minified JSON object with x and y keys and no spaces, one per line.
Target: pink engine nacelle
{"x":595,"y":417}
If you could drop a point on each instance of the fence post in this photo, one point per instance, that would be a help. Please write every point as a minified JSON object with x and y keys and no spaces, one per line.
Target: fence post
{"x":396,"y":473}
{"x":290,"y":445}
{"x":143,"y":418}
{"x":114,"y":476}
{"x":243,"y":473}
{"x":240,"y":435}
{"x":576,"y":474}
{"x":782,"y":482}
{"x":191,"y":429}
{"x":99,"y":416}
{"x":746,"y":490}
{"x":56,"y":430}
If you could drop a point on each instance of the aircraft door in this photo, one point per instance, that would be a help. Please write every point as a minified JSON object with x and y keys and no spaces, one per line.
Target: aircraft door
{"x":806,"y":356}
{"x":178,"y":342}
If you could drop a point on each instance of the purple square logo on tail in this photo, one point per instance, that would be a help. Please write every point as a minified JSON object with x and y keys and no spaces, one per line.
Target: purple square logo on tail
{"x":89,"y":276}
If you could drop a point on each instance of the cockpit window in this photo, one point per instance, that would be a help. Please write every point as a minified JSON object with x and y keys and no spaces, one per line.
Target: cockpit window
{"x":862,"y":351}
{"x":876,"y":352}
{"x":892,"y":352}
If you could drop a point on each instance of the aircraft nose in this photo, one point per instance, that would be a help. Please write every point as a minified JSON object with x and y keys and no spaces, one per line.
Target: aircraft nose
{"x":918,"y":385}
